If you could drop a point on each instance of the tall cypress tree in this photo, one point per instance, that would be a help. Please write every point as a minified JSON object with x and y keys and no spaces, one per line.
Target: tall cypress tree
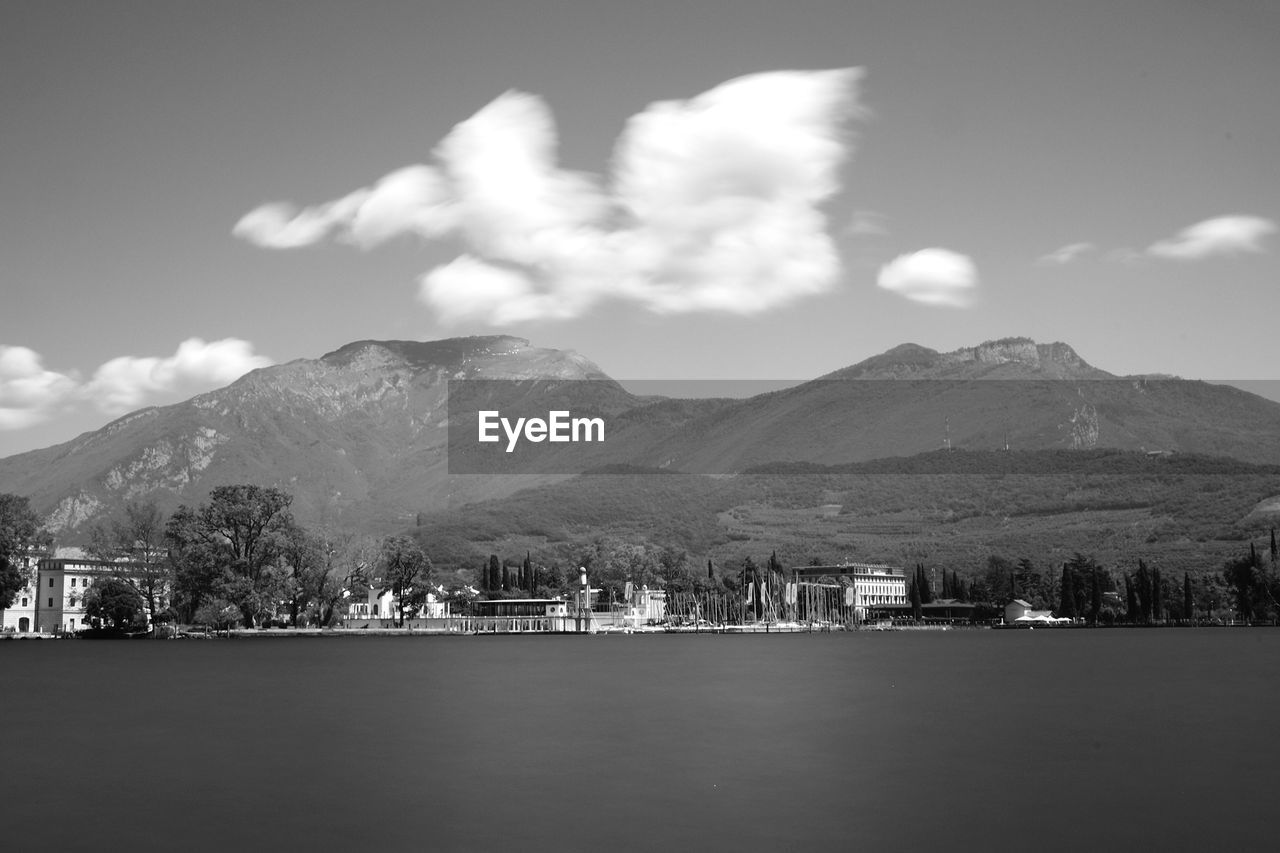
{"x":1095,"y":594}
{"x":506,"y":578}
{"x":914,"y":592}
{"x":1188,"y":603}
{"x":1068,"y":608}
{"x":495,"y":573}
{"x":526,"y":571}
{"x":1130,"y":599}
{"x":1157,"y":596}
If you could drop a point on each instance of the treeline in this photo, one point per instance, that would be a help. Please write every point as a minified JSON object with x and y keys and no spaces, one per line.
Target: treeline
{"x":240,"y":558}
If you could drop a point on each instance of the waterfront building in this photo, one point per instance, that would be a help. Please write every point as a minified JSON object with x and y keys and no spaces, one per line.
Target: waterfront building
{"x":53,"y":600}
{"x":381,"y":604}
{"x":859,"y":586}
{"x":21,"y":616}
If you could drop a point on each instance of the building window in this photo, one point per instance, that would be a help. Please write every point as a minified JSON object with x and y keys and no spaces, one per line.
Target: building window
{"x":50,"y":583}
{"x":71,"y":624}
{"x":24,"y":602}
{"x":73,"y":601}
{"x":51,"y":602}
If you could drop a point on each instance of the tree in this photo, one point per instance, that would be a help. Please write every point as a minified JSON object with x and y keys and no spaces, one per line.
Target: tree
{"x":219,"y":614}
{"x":1095,"y":594}
{"x":526,"y":572}
{"x":229,"y":547}
{"x":493,"y":582}
{"x":113,"y":603}
{"x":1157,"y":596}
{"x":1068,"y":604}
{"x":406,"y":570}
{"x":916,"y":611}
{"x":1188,"y":602}
{"x":1241,"y":577}
{"x":138,"y":538}
{"x":19,"y":530}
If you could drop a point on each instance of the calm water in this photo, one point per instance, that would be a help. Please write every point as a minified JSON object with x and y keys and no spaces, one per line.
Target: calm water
{"x":1118,"y":740}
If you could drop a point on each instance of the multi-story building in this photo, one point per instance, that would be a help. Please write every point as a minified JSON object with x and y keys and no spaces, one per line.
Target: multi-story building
{"x":53,"y":600}
{"x":867,"y":585}
{"x":21,"y":615}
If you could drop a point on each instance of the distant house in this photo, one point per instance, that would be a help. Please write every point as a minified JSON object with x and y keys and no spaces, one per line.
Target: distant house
{"x":1019,"y":612}
{"x":381,"y":604}
{"x":1015,"y":610}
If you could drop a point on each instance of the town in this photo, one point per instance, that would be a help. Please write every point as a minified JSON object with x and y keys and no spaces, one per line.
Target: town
{"x":241,"y":564}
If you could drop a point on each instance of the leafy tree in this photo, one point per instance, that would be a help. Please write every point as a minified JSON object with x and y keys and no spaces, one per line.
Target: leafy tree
{"x":19,"y":530}
{"x":219,"y":614}
{"x":139,"y":539}
{"x":406,"y":570}
{"x":229,"y":548}
{"x":113,"y":603}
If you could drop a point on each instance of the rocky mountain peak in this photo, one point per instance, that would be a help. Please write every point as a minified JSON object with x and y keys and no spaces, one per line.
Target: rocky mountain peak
{"x":1006,"y":358}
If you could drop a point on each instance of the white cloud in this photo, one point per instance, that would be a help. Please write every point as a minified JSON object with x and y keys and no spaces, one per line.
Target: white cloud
{"x":714,"y":206}
{"x":127,"y":382}
{"x":1066,"y":254}
{"x":29,"y":394}
{"x":1223,"y":235}
{"x":931,"y":277}
{"x":867,"y":223}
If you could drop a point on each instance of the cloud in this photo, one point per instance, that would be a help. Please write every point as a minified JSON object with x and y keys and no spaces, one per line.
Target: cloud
{"x":126,"y":382}
{"x":713,"y":206}
{"x":931,"y":277}
{"x":29,"y":394}
{"x":1066,"y":254}
{"x":1223,"y":235}
{"x":867,"y":223}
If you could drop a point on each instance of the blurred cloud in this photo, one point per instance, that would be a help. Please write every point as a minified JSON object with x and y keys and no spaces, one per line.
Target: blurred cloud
{"x":867,"y":223}
{"x":127,"y":382}
{"x":714,"y":206}
{"x":931,"y":277}
{"x":1223,"y":235}
{"x":29,"y":394}
{"x":1066,"y":254}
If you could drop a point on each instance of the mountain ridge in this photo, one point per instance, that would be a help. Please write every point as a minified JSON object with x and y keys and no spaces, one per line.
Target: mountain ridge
{"x":359,"y":435}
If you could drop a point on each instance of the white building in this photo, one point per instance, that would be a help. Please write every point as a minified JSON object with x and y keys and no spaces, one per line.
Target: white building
{"x":864,"y":585}
{"x":53,"y":600}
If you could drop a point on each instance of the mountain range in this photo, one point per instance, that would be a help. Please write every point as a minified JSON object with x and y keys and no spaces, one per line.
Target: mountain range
{"x":361,"y":437}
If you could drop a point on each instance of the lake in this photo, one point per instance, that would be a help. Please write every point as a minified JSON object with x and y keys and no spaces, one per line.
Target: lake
{"x":1057,"y":740}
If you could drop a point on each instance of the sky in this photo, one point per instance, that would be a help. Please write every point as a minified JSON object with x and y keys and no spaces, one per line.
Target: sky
{"x":702,"y":189}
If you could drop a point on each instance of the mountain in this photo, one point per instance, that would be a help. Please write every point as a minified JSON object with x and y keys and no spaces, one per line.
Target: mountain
{"x":358,"y":436}
{"x":361,"y":436}
{"x":1011,"y":393}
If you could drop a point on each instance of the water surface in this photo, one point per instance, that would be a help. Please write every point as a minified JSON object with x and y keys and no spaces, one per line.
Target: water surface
{"x":1120,"y":739}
